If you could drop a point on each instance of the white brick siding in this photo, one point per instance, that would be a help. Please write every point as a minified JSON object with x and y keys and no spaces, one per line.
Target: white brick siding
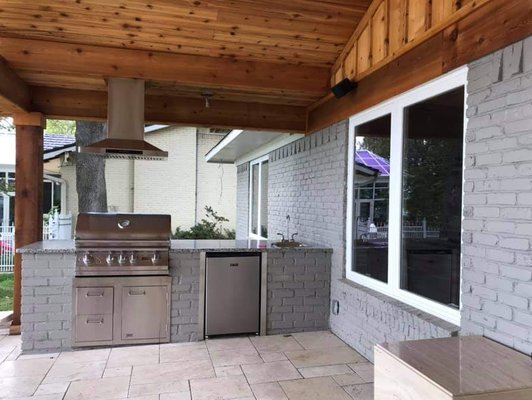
{"x":497,"y":262}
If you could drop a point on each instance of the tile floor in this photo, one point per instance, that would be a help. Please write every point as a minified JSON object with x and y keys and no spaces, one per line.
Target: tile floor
{"x":303,"y":366}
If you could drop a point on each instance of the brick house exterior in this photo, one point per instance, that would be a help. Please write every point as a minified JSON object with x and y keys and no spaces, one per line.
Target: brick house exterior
{"x":308,"y":180}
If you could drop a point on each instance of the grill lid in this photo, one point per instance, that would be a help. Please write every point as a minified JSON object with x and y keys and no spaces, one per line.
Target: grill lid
{"x":111,"y":229}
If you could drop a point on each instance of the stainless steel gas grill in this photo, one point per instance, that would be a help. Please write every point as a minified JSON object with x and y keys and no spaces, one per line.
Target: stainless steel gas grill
{"x":122,"y":244}
{"x":122,"y":287}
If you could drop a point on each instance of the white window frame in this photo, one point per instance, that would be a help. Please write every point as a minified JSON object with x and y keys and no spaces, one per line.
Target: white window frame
{"x":252,"y":235}
{"x":395,"y":108}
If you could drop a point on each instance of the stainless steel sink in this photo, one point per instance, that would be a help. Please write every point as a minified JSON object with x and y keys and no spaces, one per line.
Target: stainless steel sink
{"x":288,"y":244}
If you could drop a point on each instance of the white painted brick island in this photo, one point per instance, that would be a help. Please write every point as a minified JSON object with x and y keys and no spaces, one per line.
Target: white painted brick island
{"x":298,"y":289}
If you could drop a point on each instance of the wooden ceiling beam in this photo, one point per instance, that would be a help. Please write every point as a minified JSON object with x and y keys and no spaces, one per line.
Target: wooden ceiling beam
{"x":171,"y":110}
{"x":209,"y":72}
{"x":14,"y":92}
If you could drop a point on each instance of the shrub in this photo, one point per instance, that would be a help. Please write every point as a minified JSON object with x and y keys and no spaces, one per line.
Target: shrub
{"x":210,"y":227}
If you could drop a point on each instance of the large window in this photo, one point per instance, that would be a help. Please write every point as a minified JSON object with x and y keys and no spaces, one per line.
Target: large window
{"x":405,"y":196}
{"x":258,"y":199}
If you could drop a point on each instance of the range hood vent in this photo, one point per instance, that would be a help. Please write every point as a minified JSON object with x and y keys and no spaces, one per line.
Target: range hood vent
{"x":125,"y":124}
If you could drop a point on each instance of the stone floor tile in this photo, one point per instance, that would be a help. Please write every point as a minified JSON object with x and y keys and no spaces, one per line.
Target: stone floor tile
{"x":360,"y":392}
{"x":99,"y":389}
{"x":119,"y":371}
{"x":270,"y":372}
{"x":168,"y":372}
{"x":225,"y":388}
{"x":268,"y":391}
{"x":19,"y":386}
{"x":319,"y":357}
{"x":66,"y":372}
{"x":231,"y":370}
{"x":277,"y":343}
{"x":152,"y":397}
{"x":175,"y":396}
{"x":50,"y":356}
{"x":364,"y":370}
{"x":318,"y":340}
{"x":37,"y":367}
{"x":133,"y":355}
{"x":56,"y":396}
{"x":221,"y":344}
{"x":326,"y":370}
{"x":324,"y":388}
{"x":52,"y":388}
{"x":348,"y":379}
{"x":84,"y":355}
{"x":183,"y":353}
{"x":150,"y":389}
{"x":237,"y":356}
{"x":273,"y":356}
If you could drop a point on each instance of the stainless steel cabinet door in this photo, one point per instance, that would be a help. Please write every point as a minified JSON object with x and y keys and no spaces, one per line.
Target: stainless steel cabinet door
{"x":232,"y":295}
{"x":144,"y":312}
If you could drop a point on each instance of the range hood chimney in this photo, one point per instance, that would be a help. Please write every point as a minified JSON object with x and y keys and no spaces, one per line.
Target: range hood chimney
{"x":125,"y":124}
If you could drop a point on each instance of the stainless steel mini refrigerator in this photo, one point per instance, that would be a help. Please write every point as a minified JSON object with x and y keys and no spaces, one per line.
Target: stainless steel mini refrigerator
{"x":232,"y":293}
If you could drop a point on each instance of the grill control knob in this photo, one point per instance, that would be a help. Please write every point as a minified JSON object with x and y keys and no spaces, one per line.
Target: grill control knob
{"x":111,"y":259}
{"x":133,"y":258}
{"x":122,"y":259}
{"x":88,"y":259}
{"x":155,"y":258}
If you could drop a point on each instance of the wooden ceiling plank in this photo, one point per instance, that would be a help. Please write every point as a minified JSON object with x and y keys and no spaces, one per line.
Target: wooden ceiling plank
{"x":79,"y":104}
{"x":197,"y":70}
{"x":13,"y":90}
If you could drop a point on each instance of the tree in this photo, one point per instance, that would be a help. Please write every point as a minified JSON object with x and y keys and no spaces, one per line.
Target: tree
{"x":60,"y":127}
{"x":90,"y":169}
{"x":6,"y":124}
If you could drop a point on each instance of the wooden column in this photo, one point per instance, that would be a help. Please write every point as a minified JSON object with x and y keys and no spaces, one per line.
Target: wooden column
{"x":28,"y":195}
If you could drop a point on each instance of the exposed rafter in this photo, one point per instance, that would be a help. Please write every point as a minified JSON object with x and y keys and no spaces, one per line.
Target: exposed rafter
{"x":14,"y":93}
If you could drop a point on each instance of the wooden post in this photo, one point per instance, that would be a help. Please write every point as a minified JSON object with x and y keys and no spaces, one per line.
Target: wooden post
{"x":28,"y":195}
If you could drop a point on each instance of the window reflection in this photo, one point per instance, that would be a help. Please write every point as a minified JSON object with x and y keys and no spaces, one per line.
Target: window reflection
{"x":371,"y":194}
{"x":432,"y":197}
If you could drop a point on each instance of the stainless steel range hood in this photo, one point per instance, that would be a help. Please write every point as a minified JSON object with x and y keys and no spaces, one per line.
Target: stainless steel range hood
{"x":125,"y":124}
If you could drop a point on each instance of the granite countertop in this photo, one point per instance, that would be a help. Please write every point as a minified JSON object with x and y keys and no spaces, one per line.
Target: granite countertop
{"x":177,"y":246}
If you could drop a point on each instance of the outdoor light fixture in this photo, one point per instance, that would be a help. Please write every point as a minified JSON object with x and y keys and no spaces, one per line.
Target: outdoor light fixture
{"x":343,"y":87}
{"x":207,"y":95}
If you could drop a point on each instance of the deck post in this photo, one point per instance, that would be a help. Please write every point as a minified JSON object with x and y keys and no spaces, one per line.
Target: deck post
{"x":28,"y":195}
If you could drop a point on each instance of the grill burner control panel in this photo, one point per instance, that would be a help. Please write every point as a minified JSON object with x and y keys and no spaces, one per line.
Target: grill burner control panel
{"x":123,"y":258}
{"x":121,"y":262}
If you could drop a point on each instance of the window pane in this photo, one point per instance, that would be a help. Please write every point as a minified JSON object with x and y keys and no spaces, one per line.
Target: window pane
{"x":432,"y":197}
{"x":254,"y":197}
{"x":264,"y":201}
{"x":370,"y":224}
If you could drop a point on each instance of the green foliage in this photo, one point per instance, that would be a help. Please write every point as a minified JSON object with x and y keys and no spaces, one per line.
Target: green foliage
{"x":60,"y":127}
{"x":6,"y":124}
{"x":7,"y":281}
{"x":209,"y":228}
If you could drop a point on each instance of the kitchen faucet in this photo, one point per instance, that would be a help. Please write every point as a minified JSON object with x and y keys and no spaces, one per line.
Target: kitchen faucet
{"x":283,"y":238}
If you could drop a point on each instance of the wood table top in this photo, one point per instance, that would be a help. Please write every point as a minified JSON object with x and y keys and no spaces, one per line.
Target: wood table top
{"x":465,"y":365}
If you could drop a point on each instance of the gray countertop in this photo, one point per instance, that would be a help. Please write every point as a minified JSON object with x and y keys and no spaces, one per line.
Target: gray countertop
{"x":177,"y":246}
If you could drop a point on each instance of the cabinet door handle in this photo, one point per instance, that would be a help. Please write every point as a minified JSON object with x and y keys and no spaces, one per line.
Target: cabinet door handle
{"x":94,"y":294}
{"x":95,"y":321}
{"x":137,"y":292}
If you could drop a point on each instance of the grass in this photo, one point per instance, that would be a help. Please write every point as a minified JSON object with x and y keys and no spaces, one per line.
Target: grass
{"x":6,"y":292}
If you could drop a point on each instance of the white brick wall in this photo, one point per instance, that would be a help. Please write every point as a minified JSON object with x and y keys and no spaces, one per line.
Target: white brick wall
{"x":497,"y":262}
{"x":168,"y":186}
{"x":242,"y":202}
{"x":216,"y":182}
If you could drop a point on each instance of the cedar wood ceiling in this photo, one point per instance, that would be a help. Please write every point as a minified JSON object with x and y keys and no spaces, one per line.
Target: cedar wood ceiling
{"x":296,"y":33}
